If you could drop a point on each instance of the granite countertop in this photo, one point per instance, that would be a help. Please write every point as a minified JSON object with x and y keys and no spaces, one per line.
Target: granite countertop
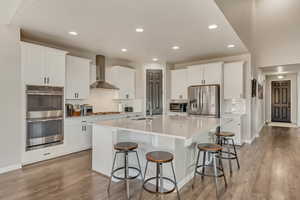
{"x":181,"y":127}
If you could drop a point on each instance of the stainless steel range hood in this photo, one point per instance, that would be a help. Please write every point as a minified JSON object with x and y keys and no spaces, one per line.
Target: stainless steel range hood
{"x":100,"y":75}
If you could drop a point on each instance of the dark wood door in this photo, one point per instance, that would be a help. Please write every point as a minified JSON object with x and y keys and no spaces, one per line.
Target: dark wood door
{"x":281,"y":101}
{"x":154,"y":92}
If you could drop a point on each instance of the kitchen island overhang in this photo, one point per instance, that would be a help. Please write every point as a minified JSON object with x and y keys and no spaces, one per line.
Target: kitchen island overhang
{"x":176,"y":134}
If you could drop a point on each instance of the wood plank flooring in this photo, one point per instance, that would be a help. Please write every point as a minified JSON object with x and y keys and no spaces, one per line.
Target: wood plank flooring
{"x":269,"y":171}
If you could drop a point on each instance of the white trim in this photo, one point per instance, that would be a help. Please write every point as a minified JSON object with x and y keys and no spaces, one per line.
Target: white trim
{"x":257,"y":134}
{"x":10,"y":168}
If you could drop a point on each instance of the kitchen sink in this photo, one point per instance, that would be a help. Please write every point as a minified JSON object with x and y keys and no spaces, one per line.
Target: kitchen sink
{"x":143,"y":118}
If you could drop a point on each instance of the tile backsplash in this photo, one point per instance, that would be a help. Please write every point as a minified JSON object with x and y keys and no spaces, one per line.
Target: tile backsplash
{"x":235,"y":106}
{"x":103,"y":100}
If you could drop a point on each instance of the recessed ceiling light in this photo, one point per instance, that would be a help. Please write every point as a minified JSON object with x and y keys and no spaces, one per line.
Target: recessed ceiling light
{"x":175,"y":47}
{"x":139,"y":30}
{"x":73,"y":33}
{"x":155,"y":59}
{"x":124,"y":50}
{"x":231,"y":46}
{"x":280,"y":69}
{"x":280,"y":77}
{"x":212,"y":26}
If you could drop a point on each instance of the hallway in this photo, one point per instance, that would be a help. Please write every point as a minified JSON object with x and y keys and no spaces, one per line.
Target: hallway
{"x":269,"y":171}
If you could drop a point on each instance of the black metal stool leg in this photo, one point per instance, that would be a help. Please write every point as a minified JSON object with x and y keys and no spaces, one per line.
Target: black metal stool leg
{"x":196,"y":167}
{"x":157,"y":177}
{"x":222,"y":168}
{"x":142,"y":189}
{"x":127,"y":175}
{"x":138,"y":160}
{"x":236,"y":155}
{"x":215,"y":172}
{"x":178,"y":196}
{"x":203,"y":164}
{"x":112,"y":169}
{"x":226,"y":141}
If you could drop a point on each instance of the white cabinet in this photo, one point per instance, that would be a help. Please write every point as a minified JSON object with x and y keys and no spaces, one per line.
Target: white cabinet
{"x":77,"y":78}
{"x":179,"y":84}
{"x":233,"y":80}
{"x":195,"y":75}
{"x":32,"y":62}
{"x":42,"y":65}
{"x":124,"y":79}
{"x":78,"y":135}
{"x":55,"y":65}
{"x":205,"y":74}
{"x":213,"y":73}
{"x":235,"y":124}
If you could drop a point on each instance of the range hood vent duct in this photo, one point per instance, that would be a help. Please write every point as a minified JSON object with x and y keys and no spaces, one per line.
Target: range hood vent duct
{"x":100,"y":75}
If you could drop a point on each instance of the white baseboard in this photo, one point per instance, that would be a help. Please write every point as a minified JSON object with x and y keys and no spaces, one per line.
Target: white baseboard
{"x":257,"y":134}
{"x":10,"y":168}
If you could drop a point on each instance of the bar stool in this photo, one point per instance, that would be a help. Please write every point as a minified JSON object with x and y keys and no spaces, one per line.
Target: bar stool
{"x":214,"y":150}
{"x":160,"y":158}
{"x":224,"y":139}
{"x":125,"y":148}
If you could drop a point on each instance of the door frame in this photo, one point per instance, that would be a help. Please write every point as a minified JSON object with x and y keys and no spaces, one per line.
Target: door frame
{"x":290,"y":100}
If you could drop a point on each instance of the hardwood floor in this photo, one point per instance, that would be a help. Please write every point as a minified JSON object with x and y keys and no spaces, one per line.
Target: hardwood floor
{"x":269,"y":171}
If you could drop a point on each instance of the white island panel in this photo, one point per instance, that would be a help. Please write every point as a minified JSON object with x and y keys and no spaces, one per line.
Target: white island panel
{"x":176,"y":134}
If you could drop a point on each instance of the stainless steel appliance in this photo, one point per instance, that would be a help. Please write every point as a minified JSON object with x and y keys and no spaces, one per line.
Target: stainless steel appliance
{"x":178,"y":107}
{"x":69,"y":110}
{"x":204,"y":100}
{"x":128,"y":109}
{"x":87,"y":109}
{"x":100,"y":75}
{"x":45,"y":110}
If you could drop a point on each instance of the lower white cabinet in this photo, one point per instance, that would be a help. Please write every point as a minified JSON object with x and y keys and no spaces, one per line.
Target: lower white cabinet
{"x":78,"y":135}
{"x":235,"y":124}
{"x":33,"y":156}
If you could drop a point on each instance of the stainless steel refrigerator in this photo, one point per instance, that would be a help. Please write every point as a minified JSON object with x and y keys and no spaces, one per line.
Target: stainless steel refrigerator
{"x":204,"y":100}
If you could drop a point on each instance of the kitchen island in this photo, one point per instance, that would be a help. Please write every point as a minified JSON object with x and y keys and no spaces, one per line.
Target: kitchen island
{"x":176,"y":134}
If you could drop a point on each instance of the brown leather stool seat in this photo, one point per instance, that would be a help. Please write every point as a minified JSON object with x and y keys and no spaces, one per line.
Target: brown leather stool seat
{"x":225,"y":134}
{"x":209,"y":147}
{"x":159,"y":156}
{"x":125,"y":146}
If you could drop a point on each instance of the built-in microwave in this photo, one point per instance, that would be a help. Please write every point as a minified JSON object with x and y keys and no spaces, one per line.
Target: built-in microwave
{"x":178,"y":107}
{"x":44,"y":120}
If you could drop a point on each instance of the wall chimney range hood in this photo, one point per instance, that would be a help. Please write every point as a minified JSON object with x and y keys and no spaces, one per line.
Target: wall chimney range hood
{"x":100,"y":75}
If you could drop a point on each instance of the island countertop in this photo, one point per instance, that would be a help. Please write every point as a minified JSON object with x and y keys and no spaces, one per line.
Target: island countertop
{"x":175,"y":126}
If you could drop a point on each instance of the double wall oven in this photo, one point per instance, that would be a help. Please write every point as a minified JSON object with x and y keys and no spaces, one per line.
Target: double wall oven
{"x":45,"y":116}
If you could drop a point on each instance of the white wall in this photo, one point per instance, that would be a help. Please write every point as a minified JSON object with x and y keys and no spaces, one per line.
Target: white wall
{"x":277,"y":32}
{"x":294,"y":98}
{"x":10,"y":90}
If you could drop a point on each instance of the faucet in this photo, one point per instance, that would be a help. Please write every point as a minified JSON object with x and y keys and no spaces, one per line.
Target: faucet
{"x":150,"y":109}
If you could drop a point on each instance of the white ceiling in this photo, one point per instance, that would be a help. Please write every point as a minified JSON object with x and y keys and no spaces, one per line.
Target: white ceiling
{"x":7,"y":10}
{"x":106,"y":27}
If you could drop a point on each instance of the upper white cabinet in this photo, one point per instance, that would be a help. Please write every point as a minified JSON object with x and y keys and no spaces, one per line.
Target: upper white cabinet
{"x":233,"y":80}
{"x":42,"y":65}
{"x":179,"y":84}
{"x":77,"y":78}
{"x":213,"y":73}
{"x":205,"y":74}
{"x":195,"y":75}
{"x":124,"y":79}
